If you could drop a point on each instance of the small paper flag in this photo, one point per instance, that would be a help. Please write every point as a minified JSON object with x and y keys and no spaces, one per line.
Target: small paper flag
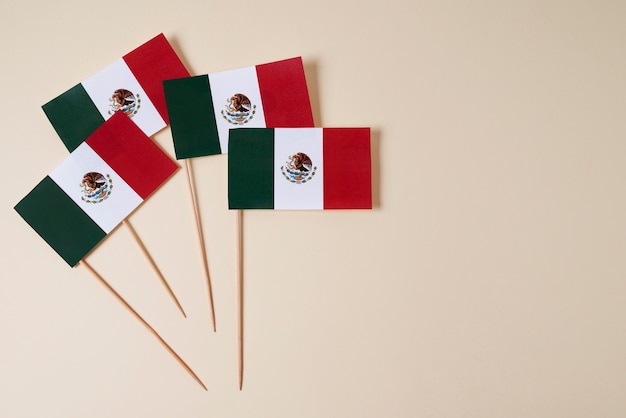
{"x":94,"y":189}
{"x":132,"y":85}
{"x":202,"y":109}
{"x":300,"y":168}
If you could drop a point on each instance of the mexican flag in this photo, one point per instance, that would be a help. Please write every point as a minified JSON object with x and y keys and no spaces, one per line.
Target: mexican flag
{"x":202,"y":109}
{"x":94,"y":189}
{"x":300,"y":168}
{"x":132,"y":85}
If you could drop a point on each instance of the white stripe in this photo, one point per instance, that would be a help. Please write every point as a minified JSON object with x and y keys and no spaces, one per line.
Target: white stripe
{"x":101,"y":86}
{"x":307,"y":195}
{"x":108,"y":213}
{"x":224,"y":85}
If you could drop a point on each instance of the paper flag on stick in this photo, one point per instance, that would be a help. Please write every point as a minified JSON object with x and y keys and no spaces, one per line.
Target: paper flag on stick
{"x":202,"y":109}
{"x":94,"y":189}
{"x":300,"y":168}
{"x":295,"y":168}
{"x":133,"y":85}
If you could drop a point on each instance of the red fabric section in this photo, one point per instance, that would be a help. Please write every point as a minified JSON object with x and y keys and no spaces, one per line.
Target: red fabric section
{"x":153,"y":62}
{"x":284,"y":94}
{"x":132,"y":154}
{"x":347,"y":168}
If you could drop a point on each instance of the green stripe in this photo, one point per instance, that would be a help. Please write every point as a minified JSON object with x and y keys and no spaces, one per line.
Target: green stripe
{"x":59,"y":221}
{"x":190,"y":109}
{"x":74,"y":116}
{"x":251,"y":168}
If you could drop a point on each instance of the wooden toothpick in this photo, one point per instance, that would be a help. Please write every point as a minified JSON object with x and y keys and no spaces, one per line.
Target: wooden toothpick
{"x":240,"y":294}
{"x":153,"y":264}
{"x":143,"y":321}
{"x":205,"y":263}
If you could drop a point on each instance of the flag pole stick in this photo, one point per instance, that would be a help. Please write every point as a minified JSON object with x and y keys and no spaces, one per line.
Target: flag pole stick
{"x":196,"y":211}
{"x":153,"y":264}
{"x":143,"y":321}
{"x":240,"y":294}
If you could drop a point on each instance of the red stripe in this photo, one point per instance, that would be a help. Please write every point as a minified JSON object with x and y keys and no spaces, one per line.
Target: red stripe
{"x":347,"y":168}
{"x":284,"y":94}
{"x":153,"y":62}
{"x":138,"y":160}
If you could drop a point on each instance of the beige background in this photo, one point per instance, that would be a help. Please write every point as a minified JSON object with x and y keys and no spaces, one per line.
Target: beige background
{"x":488,"y":282}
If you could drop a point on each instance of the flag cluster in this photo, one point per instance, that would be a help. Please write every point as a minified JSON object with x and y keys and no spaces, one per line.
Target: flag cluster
{"x":260,"y":116}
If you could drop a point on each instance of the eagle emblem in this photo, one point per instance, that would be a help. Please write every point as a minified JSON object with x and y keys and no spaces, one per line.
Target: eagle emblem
{"x":96,"y":187}
{"x":238,"y":109}
{"x":298,"y":168}
{"x":125,"y":101}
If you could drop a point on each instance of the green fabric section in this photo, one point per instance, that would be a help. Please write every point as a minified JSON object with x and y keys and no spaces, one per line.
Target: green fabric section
{"x":59,"y":221}
{"x":74,"y":116}
{"x":251,"y":168}
{"x":190,"y":109}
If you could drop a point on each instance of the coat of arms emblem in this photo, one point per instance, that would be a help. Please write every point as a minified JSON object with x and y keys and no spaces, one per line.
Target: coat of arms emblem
{"x":96,"y":187}
{"x":299,"y":168}
{"x":238,"y":109}
{"x":125,"y":101}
